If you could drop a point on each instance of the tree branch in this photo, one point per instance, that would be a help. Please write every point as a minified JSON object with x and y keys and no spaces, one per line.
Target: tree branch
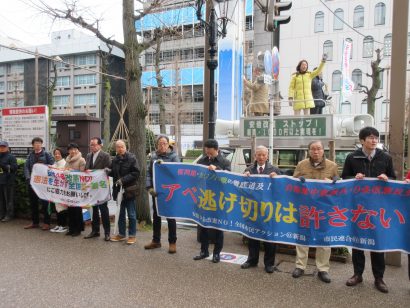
{"x":71,"y":14}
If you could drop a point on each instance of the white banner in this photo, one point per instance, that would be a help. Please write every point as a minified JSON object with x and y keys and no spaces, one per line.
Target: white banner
{"x":71,"y":188}
{"x":347,"y":83}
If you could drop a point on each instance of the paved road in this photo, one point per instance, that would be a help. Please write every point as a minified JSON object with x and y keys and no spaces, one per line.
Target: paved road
{"x":43,"y":269}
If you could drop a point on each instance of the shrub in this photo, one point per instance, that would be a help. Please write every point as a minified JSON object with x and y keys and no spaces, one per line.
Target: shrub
{"x":21,"y":200}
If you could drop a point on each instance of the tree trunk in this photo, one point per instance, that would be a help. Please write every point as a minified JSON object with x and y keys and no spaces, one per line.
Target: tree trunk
{"x":136,"y":108}
{"x":107,"y":100}
{"x":160,"y":100}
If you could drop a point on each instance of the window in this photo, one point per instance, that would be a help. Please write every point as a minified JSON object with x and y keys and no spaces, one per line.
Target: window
{"x":166,"y":56}
{"x":336,"y":81}
{"x":248,"y":23}
{"x":2,"y":70}
{"x":338,"y":20}
{"x":381,"y":80}
{"x":328,"y":49}
{"x":198,"y":95}
{"x":2,"y":86}
{"x":368,"y":47}
{"x":186,"y":54}
{"x":61,"y":100}
{"x":149,"y":58}
{"x":188,"y":31}
{"x":198,"y":118}
{"x":2,"y":103}
{"x":198,"y":30}
{"x":358,"y":17}
{"x":154,"y":118}
{"x":387,"y":45}
{"x":363,"y":108}
{"x":16,"y":68}
{"x":13,"y":103}
{"x":82,"y":80}
{"x":85,"y":60}
{"x":380,"y":14}
{"x":63,"y":81}
{"x":384,"y":114}
{"x":357,"y":78}
{"x":15,"y":85}
{"x":351,"y":49}
{"x":85,"y":99}
{"x":319,"y":21}
{"x":346,"y":108}
{"x":199,"y":53}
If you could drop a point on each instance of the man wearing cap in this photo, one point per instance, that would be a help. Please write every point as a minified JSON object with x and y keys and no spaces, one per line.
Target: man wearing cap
{"x":8,"y":169}
{"x":98,"y":159}
{"x":37,"y":156}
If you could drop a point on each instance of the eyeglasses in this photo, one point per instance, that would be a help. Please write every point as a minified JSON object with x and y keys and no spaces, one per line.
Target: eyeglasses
{"x":372,"y":138}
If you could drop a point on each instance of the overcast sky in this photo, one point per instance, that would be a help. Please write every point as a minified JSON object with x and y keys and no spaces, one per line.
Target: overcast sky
{"x":20,"y":21}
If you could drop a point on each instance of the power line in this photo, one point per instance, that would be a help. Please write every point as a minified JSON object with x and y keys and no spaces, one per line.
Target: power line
{"x":343,"y":21}
{"x":36,"y":54}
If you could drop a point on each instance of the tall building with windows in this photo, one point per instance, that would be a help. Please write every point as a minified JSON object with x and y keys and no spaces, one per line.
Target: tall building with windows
{"x":318,"y":28}
{"x":79,"y":87}
{"x":182,"y":51}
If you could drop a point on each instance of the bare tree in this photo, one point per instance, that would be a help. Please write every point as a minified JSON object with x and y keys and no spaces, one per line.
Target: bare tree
{"x":160,"y":85}
{"x":50,"y":102}
{"x":107,"y":96}
{"x":376,"y":81}
{"x":132,"y":49}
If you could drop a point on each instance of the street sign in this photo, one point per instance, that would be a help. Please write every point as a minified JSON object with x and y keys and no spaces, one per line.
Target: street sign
{"x":267,"y":61}
{"x":287,"y":127}
{"x":21,"y":125}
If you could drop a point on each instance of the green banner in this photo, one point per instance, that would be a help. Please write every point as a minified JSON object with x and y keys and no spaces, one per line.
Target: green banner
{"x":286,"y":127}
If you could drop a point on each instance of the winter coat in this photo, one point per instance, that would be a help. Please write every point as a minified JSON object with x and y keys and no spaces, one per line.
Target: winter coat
{"x":8,"y":168}
{"x":253,"y":169}
{"x":325,"y":170}
{"x":42,"y":158}
{"x":220,"y":162}
{"x":60,"y":164}
{"x":102,"y":161}
{"x":259,"y":96}
{"x":300,"y":88}
{"x":357,"y":162}
{"x":125,"y":168}
{"x":317,"y":92}
{"x":169,"y":156}
{"x":76,"y":162}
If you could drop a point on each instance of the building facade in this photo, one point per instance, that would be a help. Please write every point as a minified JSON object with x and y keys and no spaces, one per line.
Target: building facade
{"x":79,"y":88}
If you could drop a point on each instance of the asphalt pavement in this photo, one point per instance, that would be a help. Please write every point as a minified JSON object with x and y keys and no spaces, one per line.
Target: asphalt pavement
{"x":44,"y":269}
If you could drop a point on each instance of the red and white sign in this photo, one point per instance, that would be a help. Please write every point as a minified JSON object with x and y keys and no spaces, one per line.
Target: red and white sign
{"x":21,"y":124}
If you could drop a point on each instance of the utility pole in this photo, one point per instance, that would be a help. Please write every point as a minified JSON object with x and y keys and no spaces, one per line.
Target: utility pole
{"x":398,"y":96}
{"x":36,"y":55}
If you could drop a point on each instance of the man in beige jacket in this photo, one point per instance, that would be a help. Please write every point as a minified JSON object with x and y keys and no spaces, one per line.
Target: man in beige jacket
{"x":317,"y":167}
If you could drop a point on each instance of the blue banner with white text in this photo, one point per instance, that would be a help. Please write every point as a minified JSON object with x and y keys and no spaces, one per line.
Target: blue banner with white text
{"x":367,"y":214}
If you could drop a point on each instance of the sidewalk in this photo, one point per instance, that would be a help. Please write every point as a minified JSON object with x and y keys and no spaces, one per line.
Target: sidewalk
{"x":44,"y":269}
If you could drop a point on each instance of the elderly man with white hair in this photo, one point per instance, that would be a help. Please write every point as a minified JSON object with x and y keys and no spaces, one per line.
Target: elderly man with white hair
{"x":261,"y":166}
{"x":125,"y":172}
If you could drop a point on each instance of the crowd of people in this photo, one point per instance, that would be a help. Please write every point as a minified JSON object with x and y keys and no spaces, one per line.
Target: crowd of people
{"x":368,"y":161}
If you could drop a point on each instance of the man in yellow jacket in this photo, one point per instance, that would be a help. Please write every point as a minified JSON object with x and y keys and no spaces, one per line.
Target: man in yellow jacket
{"x":300,"y":93}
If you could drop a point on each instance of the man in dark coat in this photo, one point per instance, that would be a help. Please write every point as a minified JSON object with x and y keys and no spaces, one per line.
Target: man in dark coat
{"x":261,"y":166}
{"x":369,"y":161}
{"x":318,"y":94}
{"x":37,"y":156}
{"x":98,"y":159}
{"x":215,"y":161}
{"x":125,"y":172}
{"x":8,"y":169}
{"x":165,"y":153}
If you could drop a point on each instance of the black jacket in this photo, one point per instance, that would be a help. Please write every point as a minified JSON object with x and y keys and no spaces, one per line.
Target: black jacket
{"x":220,"y":162}
{"x":125,"y":168}
{"x":357,"y":162}
{"x":43,"y":158}
{"x":253,"y":169}
{"x":169,"y":156}
{"x":8,"y":168}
